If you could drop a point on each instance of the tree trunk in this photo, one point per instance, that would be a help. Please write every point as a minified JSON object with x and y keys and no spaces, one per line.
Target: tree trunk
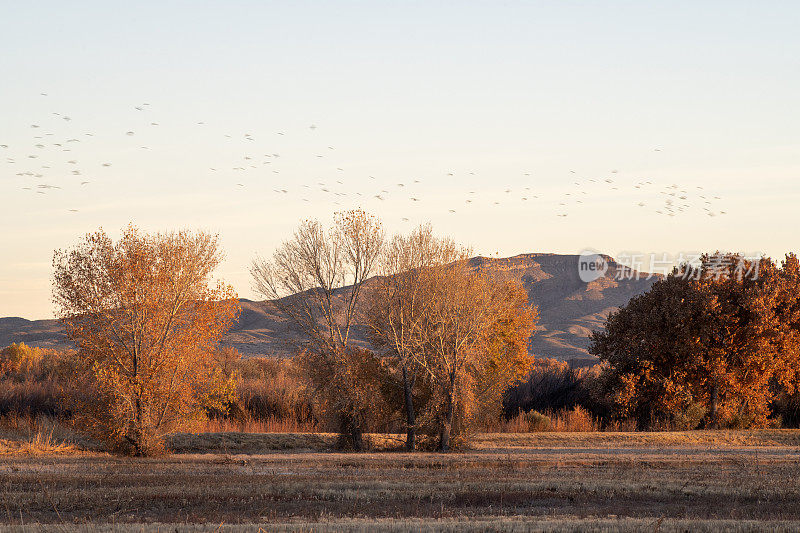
{"x":408,"y":386}
{"x":142,"y":435}
{"x":138,"y":429}
{"x":352,"y":430}
{"x":713,"y":423}
{"x":356,"y":438}
{"x":444,"y":437}
{"x":447,"y":425}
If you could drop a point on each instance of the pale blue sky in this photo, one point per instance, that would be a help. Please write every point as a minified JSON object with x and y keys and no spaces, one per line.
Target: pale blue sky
{"x":685,"y":94}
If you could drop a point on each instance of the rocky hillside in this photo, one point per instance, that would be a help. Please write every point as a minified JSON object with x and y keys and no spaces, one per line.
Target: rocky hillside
{"x":569,"y":309}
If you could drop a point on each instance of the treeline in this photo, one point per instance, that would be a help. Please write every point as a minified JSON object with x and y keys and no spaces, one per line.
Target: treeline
{"x":581,"y":399}
{"x":273,"y":395}
{"x":147,"y":317}
{"x":712,"y":345}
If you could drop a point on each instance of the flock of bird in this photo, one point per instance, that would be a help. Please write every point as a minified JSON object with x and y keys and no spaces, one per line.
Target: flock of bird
{"x":50,"y":162}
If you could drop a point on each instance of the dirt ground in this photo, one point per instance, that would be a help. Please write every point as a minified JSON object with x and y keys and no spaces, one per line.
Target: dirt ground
{"x":740,"y":481}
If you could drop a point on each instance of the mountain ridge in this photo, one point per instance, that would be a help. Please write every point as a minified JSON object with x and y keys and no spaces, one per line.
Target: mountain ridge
{"x":569,"y":309}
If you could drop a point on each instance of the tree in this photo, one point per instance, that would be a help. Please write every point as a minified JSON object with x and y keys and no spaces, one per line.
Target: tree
{"x":714,"y":335}
{"x":317,"y":278}
{"x":401,"y":302}
{"x":471,"y":343}
{"x":646,"y":348}
{"x":146,"y":318}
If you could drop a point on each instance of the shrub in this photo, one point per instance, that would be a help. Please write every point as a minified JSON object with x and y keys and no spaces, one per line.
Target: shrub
{"x":537,"y":421}
{"x":251,"y":395}
{"x":691,"y":417}
{"x":18,"y":360}
{"x":576,"y":419}
{"x":523,"y":422}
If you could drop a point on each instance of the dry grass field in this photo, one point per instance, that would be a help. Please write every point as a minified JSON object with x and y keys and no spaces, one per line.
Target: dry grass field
{"x":693,"y":481}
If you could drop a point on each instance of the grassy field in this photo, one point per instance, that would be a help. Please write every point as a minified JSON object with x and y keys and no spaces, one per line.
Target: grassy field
{"x":733,"y":480}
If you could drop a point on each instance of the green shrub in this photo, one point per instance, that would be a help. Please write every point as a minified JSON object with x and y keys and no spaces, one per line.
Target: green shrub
{"x":689,"y":418}
{"x":537,"y":421}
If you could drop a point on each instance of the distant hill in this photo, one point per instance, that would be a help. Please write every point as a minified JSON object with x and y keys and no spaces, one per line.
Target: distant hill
{"x":569,"y":309}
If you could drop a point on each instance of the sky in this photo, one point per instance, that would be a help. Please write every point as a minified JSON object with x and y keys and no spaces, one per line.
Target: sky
{"x":514,"y":127}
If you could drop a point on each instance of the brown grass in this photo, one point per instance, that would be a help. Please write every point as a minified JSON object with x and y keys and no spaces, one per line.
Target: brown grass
{"x":512,"y":524}
{"x":41,"y":435}
{"x":576,"y":419}
{"x":638,"y":439}
{"x":254,"y":443}
{"x":258,"y":443}
{"x":249,"y":425}
{"x":698,"y":481}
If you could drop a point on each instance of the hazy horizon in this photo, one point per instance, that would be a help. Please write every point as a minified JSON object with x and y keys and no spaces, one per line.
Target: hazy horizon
{"x":543,"y":126}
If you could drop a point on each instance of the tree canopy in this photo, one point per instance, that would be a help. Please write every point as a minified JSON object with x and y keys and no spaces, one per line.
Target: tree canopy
{"x":146,"y":317}
{"x":713,"y":339}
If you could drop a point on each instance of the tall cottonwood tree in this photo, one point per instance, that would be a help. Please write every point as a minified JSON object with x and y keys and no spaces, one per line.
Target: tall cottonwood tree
{"x":317,"y":278}
{"x":473,"y":342}
{"x":401,"y":302}
{"x":146,"y":317}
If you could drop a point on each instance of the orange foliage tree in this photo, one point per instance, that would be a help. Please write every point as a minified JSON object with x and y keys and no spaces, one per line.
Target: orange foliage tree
{"x":473,"y":344}
{"x":455,"y":339}
{"x":706,"y":345}
{"x":146,"y":318}
{"x":398,"y":307}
